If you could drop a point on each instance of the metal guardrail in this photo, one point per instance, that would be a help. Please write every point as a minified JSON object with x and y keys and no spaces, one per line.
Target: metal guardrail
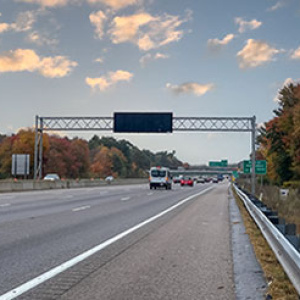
{"x":285,"y":252}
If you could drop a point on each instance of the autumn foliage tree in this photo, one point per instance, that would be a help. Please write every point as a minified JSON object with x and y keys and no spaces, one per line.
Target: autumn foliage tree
{"x":280,"y":137}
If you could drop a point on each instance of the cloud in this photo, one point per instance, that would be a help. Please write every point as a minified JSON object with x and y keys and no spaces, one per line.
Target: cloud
{"x":147,"y":31}
{"x":216,"y":44}
{"x":47,"y":3}
{"x":296,"y":54}
{"x":4,"y":27}
{"x":58,"y":66}
{"x":106,"y":81}
{"x":276,"y":6}
{"x":38,"y":39}
{"x":22,"y":60}
{"x":99,"y":60}
{"x":97,"y":19}
{"x":24,"y":22}
{"x":115,"y":4}
{"x":256,"y":53}
{"x":150,"y":57}
{"x":190,"y":88}
{"x":247,"y":25}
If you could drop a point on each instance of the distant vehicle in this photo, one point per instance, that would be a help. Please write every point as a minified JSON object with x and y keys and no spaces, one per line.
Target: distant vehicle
{"x":220,"y":177}
{"x":200,"y":180}
{"x":208,"y":179}
{"x":187,"y":181}
{"x":109,"y":178}
{"x":160,"y":177}
{"x":176,"y":179}
{"x":215,"y":180}
{"x":52,"y":177}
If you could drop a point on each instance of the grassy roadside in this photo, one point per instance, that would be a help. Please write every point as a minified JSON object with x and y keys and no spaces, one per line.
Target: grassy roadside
{"x":279,"y":285}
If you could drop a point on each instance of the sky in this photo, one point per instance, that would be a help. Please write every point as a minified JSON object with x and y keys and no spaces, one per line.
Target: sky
{"x":194,"y":58}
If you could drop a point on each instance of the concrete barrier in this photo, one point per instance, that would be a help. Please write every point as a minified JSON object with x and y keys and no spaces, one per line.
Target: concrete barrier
{"x":28,"y":185}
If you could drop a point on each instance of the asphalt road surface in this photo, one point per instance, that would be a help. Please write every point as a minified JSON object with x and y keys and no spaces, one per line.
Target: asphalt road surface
{"x":117,"y":242}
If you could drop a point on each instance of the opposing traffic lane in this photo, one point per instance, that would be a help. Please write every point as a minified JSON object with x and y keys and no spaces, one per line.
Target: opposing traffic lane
{"x":44,"y":229}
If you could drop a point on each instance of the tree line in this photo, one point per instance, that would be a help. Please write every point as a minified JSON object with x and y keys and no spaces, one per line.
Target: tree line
{"x":78,"y":158}
{"x":279,"y":139}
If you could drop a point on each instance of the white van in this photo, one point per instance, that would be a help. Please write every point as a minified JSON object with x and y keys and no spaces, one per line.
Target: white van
{"x":160,"y":177}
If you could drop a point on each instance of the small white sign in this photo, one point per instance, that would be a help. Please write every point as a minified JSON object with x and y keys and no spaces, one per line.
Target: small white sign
{"x":20,"y":164}
{"x":284,"y":192}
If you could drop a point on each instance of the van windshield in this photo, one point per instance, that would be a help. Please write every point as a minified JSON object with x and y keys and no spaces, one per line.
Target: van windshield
{"x":158,"y":173}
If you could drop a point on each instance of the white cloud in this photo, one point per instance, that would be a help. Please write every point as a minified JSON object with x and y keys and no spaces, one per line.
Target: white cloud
{"x":27,"y":60}
{"x":4,"y":27}
{"x":276,"y":6}
{"x":24,"y":21}
{"x":256,"y":53}
{"x":38,"y":39}
{"x":106,"y":81}
{"x":97,"y":19}
{"x":150,"y":57}
{"x":58,"y":66}
{"x":99,"y":60}
{"x":247,"y":25}
{"x":47,"y":3}
{"x":115,"y":4}
{"x":216,"y":44}
{"x":296,"y":54}
{"x":147,"y":31}
{"x":190,"y":88}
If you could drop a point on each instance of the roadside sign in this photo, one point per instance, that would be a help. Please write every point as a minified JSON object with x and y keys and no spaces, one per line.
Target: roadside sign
{"x":247,"y":166}
{"x":20,"y":164}
{"x":260,"y":167}
{"x":235,"y":174}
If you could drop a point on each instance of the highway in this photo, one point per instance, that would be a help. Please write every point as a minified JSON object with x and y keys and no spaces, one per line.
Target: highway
{"x":183,"y":253}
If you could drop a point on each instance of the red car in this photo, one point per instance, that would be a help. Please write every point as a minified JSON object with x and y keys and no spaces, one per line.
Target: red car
{"x":187,"y":181}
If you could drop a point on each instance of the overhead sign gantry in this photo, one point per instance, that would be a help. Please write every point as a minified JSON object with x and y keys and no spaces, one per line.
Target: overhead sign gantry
{"x":133,"y":122}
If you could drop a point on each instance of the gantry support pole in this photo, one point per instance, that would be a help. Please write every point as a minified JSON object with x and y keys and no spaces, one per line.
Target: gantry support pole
{"x":36,"y":145}
{"x":253,"y":154}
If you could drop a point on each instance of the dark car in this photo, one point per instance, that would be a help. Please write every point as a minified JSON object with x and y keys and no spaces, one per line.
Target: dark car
{"x":176,"y":180}
{"x":187,"y":181}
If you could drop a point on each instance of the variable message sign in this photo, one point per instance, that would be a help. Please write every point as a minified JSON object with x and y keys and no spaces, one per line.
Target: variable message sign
{"x":143,"y":122}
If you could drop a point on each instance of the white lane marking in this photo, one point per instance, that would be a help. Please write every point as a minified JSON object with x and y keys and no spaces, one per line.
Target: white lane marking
{"x":75,"y":260}
{"x":81,"y":208}
{"x":69,"y":196}
{"x":149,"y":194}
{"x":125,"y":198}
{"x":5,"y":205}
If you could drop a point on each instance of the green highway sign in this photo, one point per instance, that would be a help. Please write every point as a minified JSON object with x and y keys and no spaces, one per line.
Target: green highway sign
{"x":247,"y":166}
{"x":235,"y":174}
{"x":222,"y":163}
{"x":260,"y":167}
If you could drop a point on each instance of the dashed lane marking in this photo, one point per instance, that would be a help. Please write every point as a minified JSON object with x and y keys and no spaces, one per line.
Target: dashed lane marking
{"x":81,"y":208}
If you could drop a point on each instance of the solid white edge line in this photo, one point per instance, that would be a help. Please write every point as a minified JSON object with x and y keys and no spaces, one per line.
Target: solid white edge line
{"x":75,"y":260}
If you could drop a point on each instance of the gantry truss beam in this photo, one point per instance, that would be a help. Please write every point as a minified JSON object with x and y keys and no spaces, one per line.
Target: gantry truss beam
{"x":179,"y":124}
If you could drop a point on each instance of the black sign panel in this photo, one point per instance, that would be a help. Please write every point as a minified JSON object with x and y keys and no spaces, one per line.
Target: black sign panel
{"x":143,"y":122}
